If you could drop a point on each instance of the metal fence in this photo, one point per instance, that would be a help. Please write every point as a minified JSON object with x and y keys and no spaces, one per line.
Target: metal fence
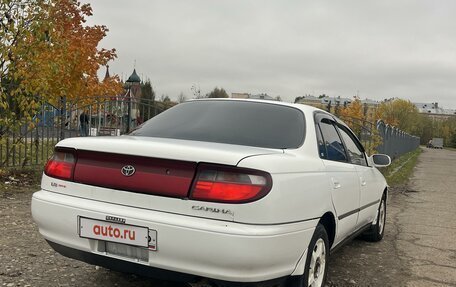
{"x":33,"y":143}
{"x":382,"y":138}
{"x":394,"y":141}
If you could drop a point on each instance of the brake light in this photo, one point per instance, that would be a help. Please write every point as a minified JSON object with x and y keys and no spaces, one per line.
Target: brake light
{"x":230,"y":185}
{"x":61,"y":165}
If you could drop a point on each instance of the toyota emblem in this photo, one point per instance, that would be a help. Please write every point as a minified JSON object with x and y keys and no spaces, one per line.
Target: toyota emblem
{"x":128,"y":170}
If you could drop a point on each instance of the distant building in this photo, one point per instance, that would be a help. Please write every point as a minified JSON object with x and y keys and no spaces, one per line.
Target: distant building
{"x":434,"y":111}
{"x":240,"y":95}
{"x":250,"y":96}
{"x":370,"y":103}
{"x":323,"y":101}
{"x":133,"y":86}
{"x":333,"y":101}
{"x":309,"y":100}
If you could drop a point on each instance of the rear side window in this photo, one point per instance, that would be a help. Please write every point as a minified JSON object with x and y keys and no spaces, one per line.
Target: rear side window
{"x":334,"y":148}
{"x":321,"y":143}
{"x":231,"y":122}
{"x":354,"y":151}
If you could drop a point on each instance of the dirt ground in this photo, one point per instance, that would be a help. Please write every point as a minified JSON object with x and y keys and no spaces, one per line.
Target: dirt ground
{"x":419,"y":247}
{"x":409,"y":255}
{"x":27,"y":260}
{"x":362,"y":263}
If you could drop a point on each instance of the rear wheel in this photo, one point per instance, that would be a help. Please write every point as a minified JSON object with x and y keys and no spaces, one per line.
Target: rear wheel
{"x":377,"y":230}
{"x":316,"y":267}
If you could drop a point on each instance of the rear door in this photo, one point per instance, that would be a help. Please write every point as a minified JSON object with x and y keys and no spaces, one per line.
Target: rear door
{"x":342,"y":175}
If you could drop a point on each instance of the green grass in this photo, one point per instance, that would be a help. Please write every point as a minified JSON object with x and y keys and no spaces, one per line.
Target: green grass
{"x":21,"y":165}
{"x":400,"y":170}
{"x":25,"y":153}
{"x":20,"y":179}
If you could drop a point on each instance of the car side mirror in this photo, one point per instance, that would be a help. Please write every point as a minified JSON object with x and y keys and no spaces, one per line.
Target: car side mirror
{"x":380,"y":160}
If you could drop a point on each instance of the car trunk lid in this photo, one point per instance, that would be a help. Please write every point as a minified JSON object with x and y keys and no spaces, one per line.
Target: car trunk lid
{"x":134,"y":173}
{"x":154,"y":166}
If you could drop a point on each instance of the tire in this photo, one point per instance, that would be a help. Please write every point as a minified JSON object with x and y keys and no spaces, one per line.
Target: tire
{"x":377,"y":230}
{"x":316,"y":269}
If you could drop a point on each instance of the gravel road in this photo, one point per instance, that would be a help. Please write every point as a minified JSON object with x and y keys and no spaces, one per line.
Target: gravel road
{"x":419,"y":247}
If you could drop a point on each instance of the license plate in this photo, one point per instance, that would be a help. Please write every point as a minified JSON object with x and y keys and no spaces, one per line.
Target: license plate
{"x":115,"y":232}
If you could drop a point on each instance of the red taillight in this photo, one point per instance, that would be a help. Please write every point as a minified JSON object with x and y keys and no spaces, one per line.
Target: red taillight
{"x":61,"y":165}
{"x":230,"y":185}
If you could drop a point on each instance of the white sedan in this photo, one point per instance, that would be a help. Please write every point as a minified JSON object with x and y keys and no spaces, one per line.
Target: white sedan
{"x":229,"y":190}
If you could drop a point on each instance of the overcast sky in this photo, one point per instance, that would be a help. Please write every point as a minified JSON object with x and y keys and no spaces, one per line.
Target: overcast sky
{"x":378,"y":49}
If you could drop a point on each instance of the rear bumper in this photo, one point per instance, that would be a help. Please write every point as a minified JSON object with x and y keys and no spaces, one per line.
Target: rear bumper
{"x":121,"y":265}
{"x":193,"y":246}
{"x":143,"y":270}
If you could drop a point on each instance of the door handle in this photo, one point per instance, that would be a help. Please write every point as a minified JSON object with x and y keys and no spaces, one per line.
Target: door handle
{"x":336,"y":183}
{"x":363,"y":181}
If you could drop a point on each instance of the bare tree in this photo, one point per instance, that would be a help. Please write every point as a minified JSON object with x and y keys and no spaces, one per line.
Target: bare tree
{"x":196,"y":92}
{"x":181,"y":98}
{"x":164,"y":98}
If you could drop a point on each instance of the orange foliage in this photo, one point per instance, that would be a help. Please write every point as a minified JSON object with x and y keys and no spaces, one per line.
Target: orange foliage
{"x":361,"y":120}
{"x":353,"y":110}
{"x":400,"y":113}
{"x":64,"y":62}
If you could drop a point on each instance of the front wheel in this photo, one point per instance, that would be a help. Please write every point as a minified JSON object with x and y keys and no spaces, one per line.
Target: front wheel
{"x":377,"y":230}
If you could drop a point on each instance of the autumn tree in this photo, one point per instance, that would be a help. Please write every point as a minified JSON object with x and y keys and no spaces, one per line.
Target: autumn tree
{"x":68,"y":67}
{"x":400,"y":113}
{"x":353,"y":115}
{"x":453,"y":139}
{"x":49,"y":53}
{"x":19,"y":22}
{"x":357,"y":118}
{"x":437,"y":127}
{"x":353,"y":110}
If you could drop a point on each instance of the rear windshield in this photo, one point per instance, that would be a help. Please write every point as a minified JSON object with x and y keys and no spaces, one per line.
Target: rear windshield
{"x":231,"y":122}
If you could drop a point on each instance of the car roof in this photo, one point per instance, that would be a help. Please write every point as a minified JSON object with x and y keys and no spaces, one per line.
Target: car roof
{"x":305,"y":108}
